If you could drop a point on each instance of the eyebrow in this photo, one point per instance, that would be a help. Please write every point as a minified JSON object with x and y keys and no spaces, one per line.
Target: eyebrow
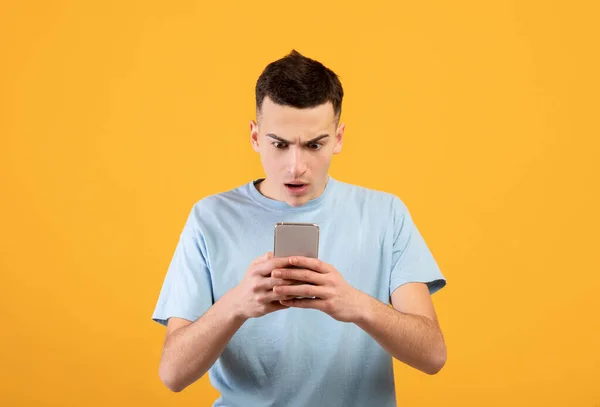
{"x":273,"y":136}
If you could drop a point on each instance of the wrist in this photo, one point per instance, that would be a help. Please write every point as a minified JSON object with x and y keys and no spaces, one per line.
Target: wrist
{"x":233,"y":306}
{"x":364,"y":308}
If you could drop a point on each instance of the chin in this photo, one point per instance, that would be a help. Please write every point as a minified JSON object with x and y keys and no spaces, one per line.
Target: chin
{"x":297,"y":201}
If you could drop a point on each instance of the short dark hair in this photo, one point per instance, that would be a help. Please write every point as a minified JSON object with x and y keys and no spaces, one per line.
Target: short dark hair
{"x":300,"y":82}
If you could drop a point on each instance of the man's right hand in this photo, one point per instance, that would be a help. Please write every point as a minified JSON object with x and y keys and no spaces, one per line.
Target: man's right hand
{"x":254,"y":296}
{"x":191,"y":348}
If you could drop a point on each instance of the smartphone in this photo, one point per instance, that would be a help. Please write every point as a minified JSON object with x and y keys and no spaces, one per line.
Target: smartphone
{"x":296,"y":239}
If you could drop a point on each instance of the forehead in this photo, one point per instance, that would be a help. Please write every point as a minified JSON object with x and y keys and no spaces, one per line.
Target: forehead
{"x":287,"y":119}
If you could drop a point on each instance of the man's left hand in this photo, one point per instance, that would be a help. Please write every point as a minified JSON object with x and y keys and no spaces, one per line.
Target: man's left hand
{"x":334,"y":295}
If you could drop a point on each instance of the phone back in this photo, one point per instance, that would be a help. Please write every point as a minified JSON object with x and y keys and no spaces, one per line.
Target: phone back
{"x":296,"y":239}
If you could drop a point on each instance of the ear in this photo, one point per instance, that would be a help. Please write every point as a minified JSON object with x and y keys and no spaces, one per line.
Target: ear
{"x":254,"y":135}
{"x":339,"y":138}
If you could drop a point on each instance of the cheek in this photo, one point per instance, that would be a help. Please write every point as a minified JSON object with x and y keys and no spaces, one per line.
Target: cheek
{"x":271,"y":160}
{"x":322,"y":160}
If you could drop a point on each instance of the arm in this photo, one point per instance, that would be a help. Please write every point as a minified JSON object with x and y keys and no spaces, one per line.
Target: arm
{"x":409,"y":331}
{"x":190,"y":349}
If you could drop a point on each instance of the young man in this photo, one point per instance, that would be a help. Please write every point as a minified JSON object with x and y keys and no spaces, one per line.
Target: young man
{"x":230,"y":308}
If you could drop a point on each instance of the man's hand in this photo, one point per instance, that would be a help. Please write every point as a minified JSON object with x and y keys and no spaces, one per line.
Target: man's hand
{"x":411,"y":334}
{"x":254,"y":296}
{"x":334,"y":295}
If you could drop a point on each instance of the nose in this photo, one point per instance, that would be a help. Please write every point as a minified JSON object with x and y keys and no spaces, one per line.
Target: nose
{"x":297,"y":164}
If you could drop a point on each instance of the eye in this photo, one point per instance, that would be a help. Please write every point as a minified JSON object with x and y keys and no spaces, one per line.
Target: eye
{"x":315,"y":146}
{"x":279,"y":145}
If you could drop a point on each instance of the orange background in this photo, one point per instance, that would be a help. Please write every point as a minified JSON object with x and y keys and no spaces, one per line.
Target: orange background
{"x":116,"y":117}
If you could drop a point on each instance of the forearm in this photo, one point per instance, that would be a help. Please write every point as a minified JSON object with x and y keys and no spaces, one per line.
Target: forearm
{"x":412,"y":339}
{"x":191,"y":350}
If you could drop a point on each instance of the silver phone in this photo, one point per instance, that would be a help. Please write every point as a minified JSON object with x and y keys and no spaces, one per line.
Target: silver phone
{"x":296,"y":239}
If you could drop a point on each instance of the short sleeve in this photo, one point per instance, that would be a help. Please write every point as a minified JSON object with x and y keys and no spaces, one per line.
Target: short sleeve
{"x":412,"y":261}
{"x":187,"y":289}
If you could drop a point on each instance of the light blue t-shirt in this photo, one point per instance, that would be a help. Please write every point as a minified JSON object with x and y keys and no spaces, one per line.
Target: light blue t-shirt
{"x":298,"y":357}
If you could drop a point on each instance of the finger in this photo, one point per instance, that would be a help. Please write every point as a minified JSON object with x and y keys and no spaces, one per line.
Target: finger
{"x":262,"y":259}
{"x":265,"y":268}
{"x":310,"y":263}
{"x":303,"y":290}
{"x":270,"y":282}
{"x":273,"y":297}
{"x":303,"y":303}
{"x":305,"y":275}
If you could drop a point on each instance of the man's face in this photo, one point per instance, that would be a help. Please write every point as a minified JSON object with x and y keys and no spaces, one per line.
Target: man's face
{"x":296,"y":147}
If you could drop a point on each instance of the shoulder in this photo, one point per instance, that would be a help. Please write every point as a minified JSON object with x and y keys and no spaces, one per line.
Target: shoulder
{"x":218,"y":204}
{"x":376,"y":199}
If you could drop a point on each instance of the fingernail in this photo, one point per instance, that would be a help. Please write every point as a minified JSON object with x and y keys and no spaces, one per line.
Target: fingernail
{"x":293,"y":260}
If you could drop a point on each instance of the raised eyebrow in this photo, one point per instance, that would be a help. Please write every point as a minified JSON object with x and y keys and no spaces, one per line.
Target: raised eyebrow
{"x":273,"y":136}
{"x":322,"y":136}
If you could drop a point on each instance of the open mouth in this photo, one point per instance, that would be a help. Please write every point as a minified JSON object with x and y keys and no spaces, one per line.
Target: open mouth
{"x":296,"y":188}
